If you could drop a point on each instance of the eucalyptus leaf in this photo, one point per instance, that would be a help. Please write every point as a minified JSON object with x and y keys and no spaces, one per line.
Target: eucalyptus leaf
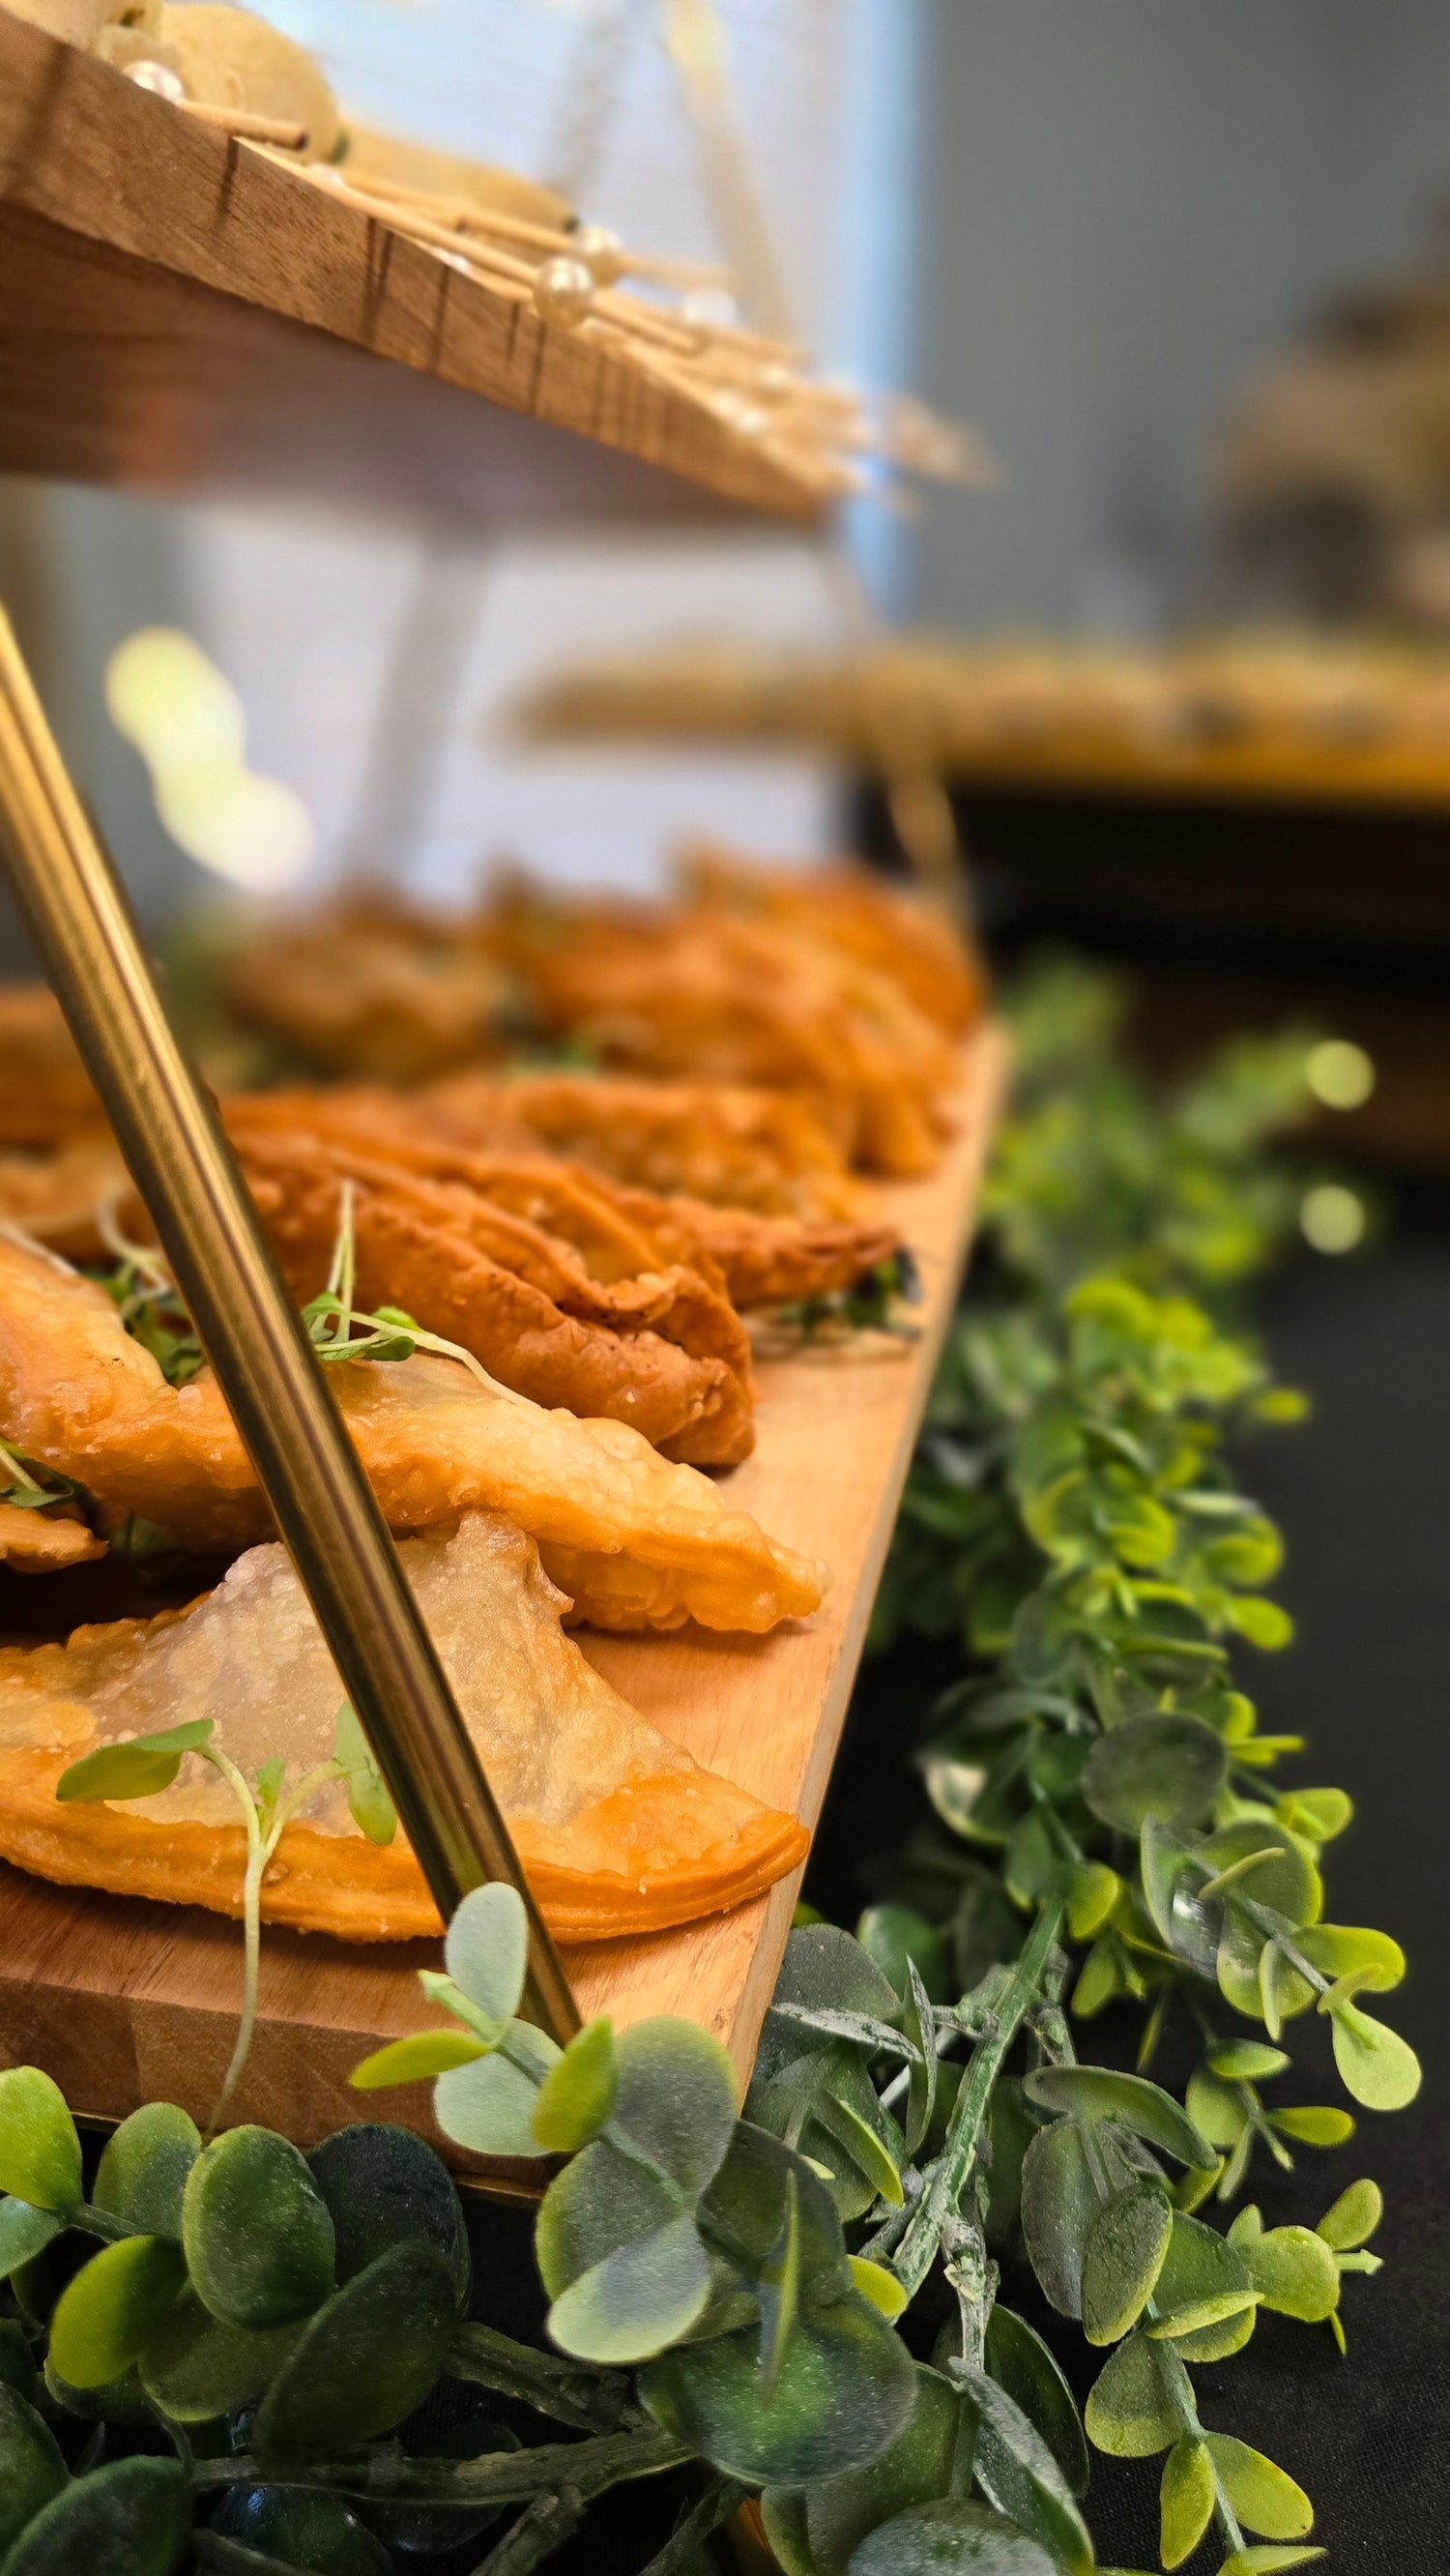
{"x":1315,"y":2124}
{"x":1130,"y":2410}
{"x":144,"y":2165}
{"x":1123,"y":2255}
{"x":32,"y":2466}
{"x":488,"y":2105}
{"x":917,"y":2469}
{"x":256,"y":2231}
{"x":25,"y":2231}
{"x":642,"y":2297}
{"x":847,"y":2384}
{"x":132,"y":2517}
{"x":1376,"y":2066}
{"x":577,"y":2096}
{"x":1204,"y":2281}
{"x":1258,"y":2561}
{"x":486,"y":1952}
{"x":107,"y":2312}
{"x":383,"y":2186}
{"x":416,"y":2060}
{"x":1059,"y":2202}
{"x":949,"y":2539}
{"x":1171,"y":1768}
{"x":1018,"y":2474}
{"x":364,"y":2361}
{"x":1186,"y":2499}
{"x":195,"y":2368}
{"x":862,"y":2146}
{"x":1264,"y":2497}
{"x":1293,"y":2271}
{"x":895,"y":1936}
{"x":1020,"y":2362}
{"x":40,"y":2153}
{"x":1353,"y":2218}
{"x":1097,"y":2093}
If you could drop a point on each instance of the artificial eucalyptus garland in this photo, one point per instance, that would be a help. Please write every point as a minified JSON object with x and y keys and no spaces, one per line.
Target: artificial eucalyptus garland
{"x":804,"y":2305}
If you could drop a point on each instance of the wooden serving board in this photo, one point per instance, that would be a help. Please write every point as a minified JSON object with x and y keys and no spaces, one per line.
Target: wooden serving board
{"x":125,"y":2002}
{"x":179,"y":313}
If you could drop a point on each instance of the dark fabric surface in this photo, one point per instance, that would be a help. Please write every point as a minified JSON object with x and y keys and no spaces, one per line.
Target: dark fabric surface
{"x":1363,"y":1494}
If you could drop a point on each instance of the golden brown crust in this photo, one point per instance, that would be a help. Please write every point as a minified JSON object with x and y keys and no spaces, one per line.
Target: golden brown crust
{"x":373,"y":986}
{"x":44,"y":1542}
{"x":648,"y":1543}
{"x":663,"y":1351}
{"x":45,"y":1094}
{"x":612,"y":1873}
{"x":881,"y":925}
{"x":727,"y":1144}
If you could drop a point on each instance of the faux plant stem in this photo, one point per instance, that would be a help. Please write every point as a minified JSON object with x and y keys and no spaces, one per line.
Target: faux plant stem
{"x":591,"y":2400}
{"x":947,"y":2177}
{"x":499,"y":2477}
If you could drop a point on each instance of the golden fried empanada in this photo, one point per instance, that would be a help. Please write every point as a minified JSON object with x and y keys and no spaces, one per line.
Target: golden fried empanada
{"x":619,"y":1829}
{"x":635,"y":1540}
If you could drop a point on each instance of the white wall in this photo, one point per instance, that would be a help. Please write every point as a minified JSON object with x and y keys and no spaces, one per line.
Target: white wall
{"x":1130,"y":201}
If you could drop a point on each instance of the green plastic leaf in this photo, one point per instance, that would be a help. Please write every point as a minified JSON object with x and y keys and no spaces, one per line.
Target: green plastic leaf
{"x":1338,"y":1949}
{"x":1246,"y":2061}
{"x":918,"y":2026}
{"x":1267,"y":2562}
{"x":24,"y":2232}
{"x":1203,"y":2283}
{"x":1018,"y":2474}
{"x":1122,"y":2257}
{"x":783,"y":2512}
{"x":1059,"y":2203}
{"x":416,"y":2060}
{"x":1320,"y":1813}
{"x":641,"y":2298}
{"x":1314,"y":2124}
{"x":778,"y":2288}
{"x":797,"y":2066}
{"x":383,"y":2186}
{"x":40,"y":2153}
{"x":257,"y":2233}
{"x":1379,"y":2068}
{"x":487,"y":1949}
{"x":488,"y":2106}
{"x":1092,"y":1892}
{"x":1262,"y":1622}
{"x":949,"y":2539}
{"x":1130,"y":2412}
{"x":863,"y":2146}
{"x":32,"y":2469}
{"x":1353,"y":2218}
{"x":577,"y":2096}
{"x":918,"y":2468}
{"x":893,"y":1934}
{"x":676,"y":2098}
{"x":1186,"y":2499}
{"x":137,"y":1769}
{"x":1171,"y":1768}
{"x":1020,"y":2362}
{"x":120,"y":2402}
{"x":1096,"y":2093}
{"x":1294,"y":2272}
{"x":847,"y":2384}
{"x":1264,"y":2497}
{"x":364,"y":2361}
{"x":107,"y":2311}
{"x":144,"y":2164}
{"x":368,"y":1802}
{"x":131,"y":2517}
{"x":195,"y":2368}
{"x":878,"y":2285}
{"x":1216,"y":2109}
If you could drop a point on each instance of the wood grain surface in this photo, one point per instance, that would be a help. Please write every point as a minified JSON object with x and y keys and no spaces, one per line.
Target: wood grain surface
{"x":123,"y":2001}
{"x":177,"y":312}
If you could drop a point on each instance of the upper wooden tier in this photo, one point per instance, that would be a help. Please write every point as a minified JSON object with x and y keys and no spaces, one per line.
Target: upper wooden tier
{"x":179,"y":314}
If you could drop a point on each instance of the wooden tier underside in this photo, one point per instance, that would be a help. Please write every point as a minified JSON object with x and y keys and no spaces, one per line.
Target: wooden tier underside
{"x":125,"y":2002}
{"x":178,"y":314}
